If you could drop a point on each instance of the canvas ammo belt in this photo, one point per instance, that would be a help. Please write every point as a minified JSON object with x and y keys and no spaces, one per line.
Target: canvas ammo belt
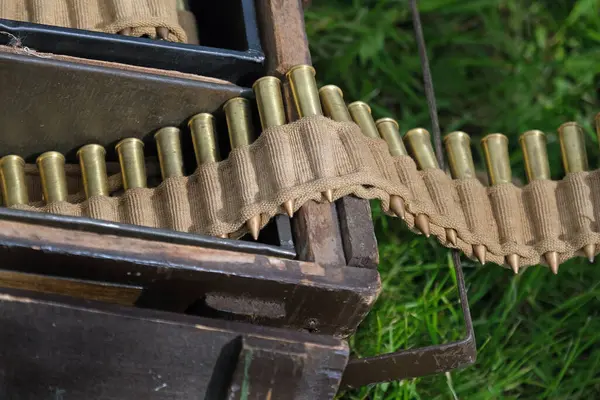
{"x":331,"y":151}
{"x":153,"y":18}
{"x":304,"y":160}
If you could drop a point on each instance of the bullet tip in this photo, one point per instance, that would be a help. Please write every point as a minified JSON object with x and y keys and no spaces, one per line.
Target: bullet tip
{"x":422,"y":223}
{"x":253,"y":225}
{"x":552,"y":260}
{"x":397,"y":206}
{"x":513,"y":261}
{"x":288,"y":206}
{"x":452,"y":236}
{"x":480,"y":252}
{"x":328,"y":195}
{"x":590,"y":252}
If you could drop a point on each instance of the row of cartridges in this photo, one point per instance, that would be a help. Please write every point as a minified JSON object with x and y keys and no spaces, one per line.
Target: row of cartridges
{"x":329,"y":101}
{"x":309,"y":100}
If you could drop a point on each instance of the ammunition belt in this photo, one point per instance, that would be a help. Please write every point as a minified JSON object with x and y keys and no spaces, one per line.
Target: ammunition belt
{"x":322,"y":159}
{"x":155,"y":19}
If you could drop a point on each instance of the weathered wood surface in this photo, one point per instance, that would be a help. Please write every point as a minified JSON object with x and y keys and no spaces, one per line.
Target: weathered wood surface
{"x":283,"y":35}
{"x":110,"y":293}
{"x":358,"y":232}
{"x":53,"y":348}
{"x":180,"y":278}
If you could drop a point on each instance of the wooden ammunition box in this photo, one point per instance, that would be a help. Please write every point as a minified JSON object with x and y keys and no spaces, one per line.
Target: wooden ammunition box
{"x":92,"y":309}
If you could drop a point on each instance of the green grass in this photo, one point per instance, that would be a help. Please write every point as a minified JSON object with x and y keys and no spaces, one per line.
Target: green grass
{"x":498,"y":66}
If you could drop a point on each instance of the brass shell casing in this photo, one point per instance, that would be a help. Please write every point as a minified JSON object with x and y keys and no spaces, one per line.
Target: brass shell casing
{"x":53,"y":177}
{"x":334,"y":106}
{"x":239,"y":122}
{"x":170,"y":156}
{"x":204,"y":138}
{"x":14,"y":185}
{"x":390,"y":131}
{"x":361,"y":114}
{"x":92,"y":161}
{"x":460,"y":158}
{"x":131,"y":159}
{"x":269,"y":101}
{"x":535,"y":155}
{"x":572,"y":147}
{"x":497,"y":162}
{"x":419,"y":145}
{"x":304,"y":89}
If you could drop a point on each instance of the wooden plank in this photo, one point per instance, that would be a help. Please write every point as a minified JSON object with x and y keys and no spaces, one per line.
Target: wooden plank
{"x":315,"y":225}
{"x":358,"y":232}
{"x":285,"y":44}
{"x":111,"y":293}
{"x":59,"y":349}
{"x":182,"y":278}
{"x":283,"y":35}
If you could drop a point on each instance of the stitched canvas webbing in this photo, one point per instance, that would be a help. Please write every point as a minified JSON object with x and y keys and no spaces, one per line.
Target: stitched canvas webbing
{"x":110,"y":16}
{"x":301,"y":160}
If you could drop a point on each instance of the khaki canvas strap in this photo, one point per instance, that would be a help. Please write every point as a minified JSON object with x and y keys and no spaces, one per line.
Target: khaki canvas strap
{"x":110,"y":16}
{"x":299,"y":161}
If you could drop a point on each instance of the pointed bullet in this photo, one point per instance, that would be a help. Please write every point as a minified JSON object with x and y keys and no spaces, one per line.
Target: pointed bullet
{"x":422,"y":223}
{"x":397,"y":206}
{"x":288,"y":206}
{"x":253,"y":225}
{"x":552,"y":260}
{"x":514,"y":261}
{"x":223,"y":236}
{"x":590,"y":252}
{"x":162,"y":33}
{"x":125,"y":32}
{"x":480,"y":252}
{"x":451,"y":236}
{"x":328,"y":195}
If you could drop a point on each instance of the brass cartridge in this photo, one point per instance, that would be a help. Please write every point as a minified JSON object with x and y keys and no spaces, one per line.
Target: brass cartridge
{"x":14,"y":185}
{"x":572,"y":147}
{"x":533,"y":144}
{"x":241,"y":133}
{"x":204,"y":138}
{"x":497,"y":162}
{"x":272,"y":113}
{"x":389,"y":130}
{"x":574,"y":156}
{"x":170,"y":157}
{"x":332,"y":100}
{"x":419,"y":145}
{"x":93,"y":170}
{"x":304,"y":89}
{"x":131,"y":160}
{"x":52,"y":175}
{"x":460,"y":158}
{"x":269,"y":101}
{"x":361,"y":114}
{"x":537,"y":167}
{"x":239,"y":122}
{"x":495,"y":148}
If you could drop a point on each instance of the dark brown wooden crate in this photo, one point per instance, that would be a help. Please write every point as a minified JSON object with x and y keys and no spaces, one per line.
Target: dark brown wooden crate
{"x":64,"y":349}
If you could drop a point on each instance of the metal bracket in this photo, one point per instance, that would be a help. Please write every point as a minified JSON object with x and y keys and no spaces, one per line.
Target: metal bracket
{"x":417,"y":362}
